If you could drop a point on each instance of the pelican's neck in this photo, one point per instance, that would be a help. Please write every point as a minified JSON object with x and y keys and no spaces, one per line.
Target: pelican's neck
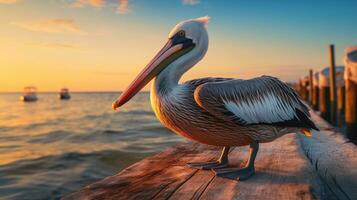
{"x":169,"y":78}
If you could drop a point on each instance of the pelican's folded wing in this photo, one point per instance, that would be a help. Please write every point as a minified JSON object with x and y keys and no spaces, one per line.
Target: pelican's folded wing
{"x":263,"y":100}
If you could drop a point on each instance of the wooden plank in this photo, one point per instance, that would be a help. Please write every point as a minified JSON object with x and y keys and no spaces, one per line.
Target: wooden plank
{"x":193,"y":188}
{"x":282,"y":172}
{"x":152,"y":177}
{"x":334,"y":158}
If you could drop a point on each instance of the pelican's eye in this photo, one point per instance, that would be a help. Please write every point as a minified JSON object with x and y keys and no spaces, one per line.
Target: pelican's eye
{"x":181,"y":33}
{"x":180,"y":38}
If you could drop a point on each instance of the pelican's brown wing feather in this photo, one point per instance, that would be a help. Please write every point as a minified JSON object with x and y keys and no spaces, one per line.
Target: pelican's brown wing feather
{"x":263,"y":100}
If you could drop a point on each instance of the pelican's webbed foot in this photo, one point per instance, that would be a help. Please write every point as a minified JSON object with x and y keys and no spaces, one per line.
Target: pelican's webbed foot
{"x":220,"y":163}
{"x":243,"y":173}
{"x":236,"y":174}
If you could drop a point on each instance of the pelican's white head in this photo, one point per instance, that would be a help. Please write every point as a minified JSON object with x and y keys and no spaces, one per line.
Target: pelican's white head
{"x":188,"y":38}
{"x":194,"y":29}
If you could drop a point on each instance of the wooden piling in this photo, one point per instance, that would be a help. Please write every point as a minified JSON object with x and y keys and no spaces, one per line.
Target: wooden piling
{"x":341,"y":95}
{"x":351,"y":92}
{"x":325,"y":105}
{"x":340,"y":85}
{"x":310,"y":86}
{"x":324,"y":94}
{"x":333,"y":93}
{"x":304,"y":88}
{"x":315,"y":91}
{"x":341,"y":104}
{"x":325,"y":102}
{"x":301,"y":88}
{"x":351,"y":109}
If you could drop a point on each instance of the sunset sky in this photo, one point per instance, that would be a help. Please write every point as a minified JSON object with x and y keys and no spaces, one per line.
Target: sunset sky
{"x":100,"y":45}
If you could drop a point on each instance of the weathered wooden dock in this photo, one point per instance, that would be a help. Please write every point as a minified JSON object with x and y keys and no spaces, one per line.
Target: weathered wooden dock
{"x":292,"y":167}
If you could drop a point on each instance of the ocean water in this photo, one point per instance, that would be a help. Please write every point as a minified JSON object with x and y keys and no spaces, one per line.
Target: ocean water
{"x":50,"y":148}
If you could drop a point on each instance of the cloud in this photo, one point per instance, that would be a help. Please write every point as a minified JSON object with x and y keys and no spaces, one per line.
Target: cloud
{"x":51,"y":26}
{"x":53,"y":45}
{"x":123,"y":6}
{"x":93,"y":3}
{"x":8,"y":1}
{"x":190,"y":2}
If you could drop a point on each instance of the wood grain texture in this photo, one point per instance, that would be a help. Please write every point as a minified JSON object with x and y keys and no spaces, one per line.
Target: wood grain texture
{"x":334,"y":158}
{"x":283,"y":172}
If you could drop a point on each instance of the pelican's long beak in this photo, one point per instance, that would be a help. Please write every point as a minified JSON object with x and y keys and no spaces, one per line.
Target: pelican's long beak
{"x":170,"y":52}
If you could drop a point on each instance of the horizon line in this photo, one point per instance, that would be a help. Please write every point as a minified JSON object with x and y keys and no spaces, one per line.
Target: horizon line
{"x":78,"y":91}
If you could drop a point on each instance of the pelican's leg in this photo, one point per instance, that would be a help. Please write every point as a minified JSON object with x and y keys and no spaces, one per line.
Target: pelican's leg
{"x":243,"y":173}
{"x":220,"y":163}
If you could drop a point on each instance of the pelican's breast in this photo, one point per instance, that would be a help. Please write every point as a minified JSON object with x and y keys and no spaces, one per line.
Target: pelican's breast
{"x":175,"y":109}
{"x":178,"y":111}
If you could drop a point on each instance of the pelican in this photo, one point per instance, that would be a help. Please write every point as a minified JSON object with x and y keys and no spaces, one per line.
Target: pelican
{"x":223,"y":112}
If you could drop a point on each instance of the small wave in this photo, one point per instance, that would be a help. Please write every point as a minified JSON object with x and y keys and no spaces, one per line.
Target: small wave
{"x":111,"y":132}
{"x":5,"y":128}
{"x":50,"y":137}
{"x":54,"y":176}
{"x":34,"y":125}
{"x":155,"y":128}
{"x":94,"y":116}
{"x":137,"y":112}
{"x":50,"y":122}
{"x":9,"y":138}
{"x":98,"y":136}
{"x":84,"y":132}
{"x":10,"y":147}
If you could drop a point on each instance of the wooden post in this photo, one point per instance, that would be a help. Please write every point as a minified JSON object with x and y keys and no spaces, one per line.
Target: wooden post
{"x":340,"y":89}
{"x":351,"y":109}
{"x":341,"y":95}
{"x":305,"y":88}
{"x":341,"y":99}
{"x":333,"y":94}
{"x":310,"y":86}
{"x":351,"y":94}
{"x":324,"y":94}
{"x":324,"y":106}
{"x":315,"y":91}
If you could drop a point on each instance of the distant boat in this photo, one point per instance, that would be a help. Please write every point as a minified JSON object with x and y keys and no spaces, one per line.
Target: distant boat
{"x":29,"y":94}
{"x":64,"y":94}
